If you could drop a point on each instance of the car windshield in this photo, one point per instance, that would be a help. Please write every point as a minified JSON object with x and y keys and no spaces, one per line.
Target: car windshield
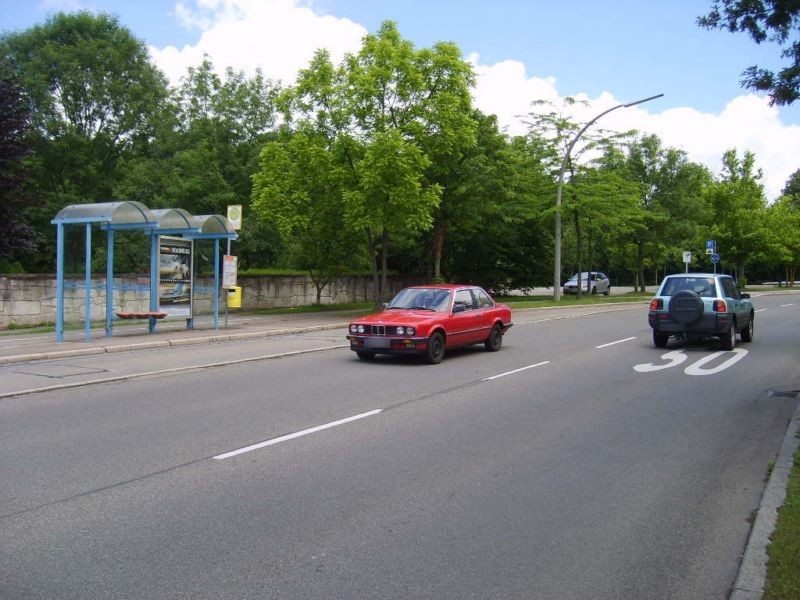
{"x":583,"y":277}
{"x":702,"y":286}
{"x":434,"y":299}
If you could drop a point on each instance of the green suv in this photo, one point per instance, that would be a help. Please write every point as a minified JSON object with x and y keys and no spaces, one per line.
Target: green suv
{"x":700,"y":305}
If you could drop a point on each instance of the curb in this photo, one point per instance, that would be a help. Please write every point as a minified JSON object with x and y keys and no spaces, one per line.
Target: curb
{"x":176,"y":343}
{"x":752,"y":575}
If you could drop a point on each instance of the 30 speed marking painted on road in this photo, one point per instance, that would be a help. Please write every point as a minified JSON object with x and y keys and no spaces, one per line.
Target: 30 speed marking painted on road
{"x":697,"y":368}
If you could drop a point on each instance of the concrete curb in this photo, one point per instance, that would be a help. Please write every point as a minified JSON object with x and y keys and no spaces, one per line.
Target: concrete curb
{"x":176,"y":343}
{"x":752,"y":575}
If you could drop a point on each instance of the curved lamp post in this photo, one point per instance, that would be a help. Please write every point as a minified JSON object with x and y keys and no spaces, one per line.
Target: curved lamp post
{"x":557,"y":267}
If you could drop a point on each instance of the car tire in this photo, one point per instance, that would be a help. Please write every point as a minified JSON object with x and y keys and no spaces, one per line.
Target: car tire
{"x":686,"y":307}
{"x":747,"y":332}
{"x":729,"y":339}
{"x":495,"y":339}
{"x":434,"y":353}
{"x":660,"y":339}
{"x":608,"y":291}
{"x":365,"y":355}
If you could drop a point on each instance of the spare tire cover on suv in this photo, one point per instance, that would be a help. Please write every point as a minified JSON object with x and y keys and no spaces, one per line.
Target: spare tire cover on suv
{"x":686,"y":307}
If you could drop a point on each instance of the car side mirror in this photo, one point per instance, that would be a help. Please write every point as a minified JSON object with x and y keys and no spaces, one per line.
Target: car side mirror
{"x":746,"y":296}
{"x":459,"y":307}
{"x":384,"y":305}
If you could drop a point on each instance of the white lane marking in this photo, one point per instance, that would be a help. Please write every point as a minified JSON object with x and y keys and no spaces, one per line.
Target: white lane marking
{"x":614,"y":343}
{"x":297,"y":434}
{"x":697,"y":368}
{"x":675,"y":358}
{"x":761,"y":310}
{"x":786,"y":305}
{"x":539,"y":364}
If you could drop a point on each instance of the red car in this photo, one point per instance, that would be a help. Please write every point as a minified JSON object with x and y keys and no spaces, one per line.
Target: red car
{"x":427,"y":320}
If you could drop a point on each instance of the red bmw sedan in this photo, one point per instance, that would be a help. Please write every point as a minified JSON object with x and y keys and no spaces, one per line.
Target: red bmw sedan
{"x":428,"y":320}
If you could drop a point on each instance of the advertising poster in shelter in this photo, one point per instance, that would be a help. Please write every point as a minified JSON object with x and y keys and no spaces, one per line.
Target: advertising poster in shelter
{"x":175,"y":276}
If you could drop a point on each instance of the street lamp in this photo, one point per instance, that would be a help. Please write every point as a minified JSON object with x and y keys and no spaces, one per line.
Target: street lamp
{"x":557,"y":267}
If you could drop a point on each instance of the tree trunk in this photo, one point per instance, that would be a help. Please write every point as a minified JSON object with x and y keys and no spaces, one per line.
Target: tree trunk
{"x":384,"y":265}
{"x":438,"y":248}
{"x":640,"y":263}
{"x":374,"y":264}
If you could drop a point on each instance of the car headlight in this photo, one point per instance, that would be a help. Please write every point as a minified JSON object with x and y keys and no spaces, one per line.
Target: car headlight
{"x":410,"y":331}
{"x":360,"y":329}
{"x":352,"y":328}
{"x":401,"y":330}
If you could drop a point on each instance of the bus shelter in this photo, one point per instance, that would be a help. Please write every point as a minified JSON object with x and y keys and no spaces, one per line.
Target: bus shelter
{"x":126,"y":216}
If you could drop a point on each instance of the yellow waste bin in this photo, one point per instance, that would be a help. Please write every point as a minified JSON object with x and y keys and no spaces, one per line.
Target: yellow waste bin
{"x":235,"y":296}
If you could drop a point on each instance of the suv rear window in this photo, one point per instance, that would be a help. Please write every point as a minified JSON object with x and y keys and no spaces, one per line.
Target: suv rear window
{"x":702,"y":286}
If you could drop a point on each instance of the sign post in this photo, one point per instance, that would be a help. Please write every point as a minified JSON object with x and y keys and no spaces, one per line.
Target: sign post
{"x":235,"y":218}
{"x":687,"y":258}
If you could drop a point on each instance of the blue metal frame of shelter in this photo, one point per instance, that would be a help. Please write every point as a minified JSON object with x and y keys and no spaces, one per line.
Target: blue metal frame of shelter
{"x":129,"y":215}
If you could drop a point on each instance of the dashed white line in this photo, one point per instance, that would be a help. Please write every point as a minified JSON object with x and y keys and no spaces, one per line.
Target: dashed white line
{"x":761,"y":310}
{"x":539,"y":364}
{"x":786,"y":305}
{"x":614,"y":343}
{"x":297,"y":434}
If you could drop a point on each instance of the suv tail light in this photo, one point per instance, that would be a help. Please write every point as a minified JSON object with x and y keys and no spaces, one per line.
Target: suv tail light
{"x":656,"y":304}
{"x":720,"y":306}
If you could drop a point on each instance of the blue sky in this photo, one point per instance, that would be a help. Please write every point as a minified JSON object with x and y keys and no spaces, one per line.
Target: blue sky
{"x":606,"y":52}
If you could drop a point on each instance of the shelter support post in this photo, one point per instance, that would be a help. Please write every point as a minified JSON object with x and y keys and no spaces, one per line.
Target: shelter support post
{"x":154,"y":279}
{"x":88,"y":284}
{"x":109,"y":282}
{"x":216,"y":284}
{"x":60,"y":282}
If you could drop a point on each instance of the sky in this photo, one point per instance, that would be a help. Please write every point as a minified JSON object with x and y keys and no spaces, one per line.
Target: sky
{"x":603,"y":52}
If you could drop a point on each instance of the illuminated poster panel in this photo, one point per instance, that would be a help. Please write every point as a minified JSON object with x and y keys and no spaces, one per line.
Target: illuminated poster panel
{"x":175,"y":276}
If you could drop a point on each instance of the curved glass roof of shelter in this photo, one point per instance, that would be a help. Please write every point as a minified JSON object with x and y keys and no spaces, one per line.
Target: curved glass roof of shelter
{"x":215,"y":226}
{"x":114,"y":214}
{"x":175,"y":220}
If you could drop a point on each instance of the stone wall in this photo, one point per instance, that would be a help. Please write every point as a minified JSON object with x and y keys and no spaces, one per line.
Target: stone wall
{"x":31,"y":299}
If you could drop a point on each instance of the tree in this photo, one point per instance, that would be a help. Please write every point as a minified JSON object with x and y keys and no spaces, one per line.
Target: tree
{"x":739,"y":209}
{"x":670,"y":204}
{"x":390,"y":114}
{"x":18,"y":237}
{"x":774,"y":21}
{"x":93,"y":94}
{"x":299,"y":187}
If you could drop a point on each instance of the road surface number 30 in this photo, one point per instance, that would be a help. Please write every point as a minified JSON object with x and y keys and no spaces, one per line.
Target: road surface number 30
{"x":700,"y":367}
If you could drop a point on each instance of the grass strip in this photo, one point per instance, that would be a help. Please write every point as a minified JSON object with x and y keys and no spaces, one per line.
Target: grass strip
{"x":783,"y":568}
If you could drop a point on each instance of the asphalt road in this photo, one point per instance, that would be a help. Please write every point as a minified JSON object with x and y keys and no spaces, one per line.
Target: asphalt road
{"x":577,"y":462}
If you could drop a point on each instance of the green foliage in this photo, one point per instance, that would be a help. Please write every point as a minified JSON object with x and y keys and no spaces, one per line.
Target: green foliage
{"x":18,"y":238}
{"x":773,"y":21}
{"x":93,"y":93}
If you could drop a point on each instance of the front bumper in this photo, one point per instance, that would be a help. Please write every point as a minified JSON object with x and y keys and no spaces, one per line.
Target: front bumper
{"x":709,"y":325}
{"x":387,"y":344}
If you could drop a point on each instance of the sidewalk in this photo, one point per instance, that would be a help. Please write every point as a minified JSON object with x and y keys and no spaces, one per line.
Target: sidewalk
{"x":20,"y":346}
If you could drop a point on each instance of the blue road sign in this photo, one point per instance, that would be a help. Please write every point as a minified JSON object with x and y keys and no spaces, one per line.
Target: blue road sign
{"x":715,"y":258}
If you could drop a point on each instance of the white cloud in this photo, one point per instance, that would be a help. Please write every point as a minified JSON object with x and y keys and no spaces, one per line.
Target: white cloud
{"x":747,"y":123}
{"x":281,"y":37}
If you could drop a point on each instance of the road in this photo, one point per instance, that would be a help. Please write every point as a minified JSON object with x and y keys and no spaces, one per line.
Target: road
{"x":577,"y":462}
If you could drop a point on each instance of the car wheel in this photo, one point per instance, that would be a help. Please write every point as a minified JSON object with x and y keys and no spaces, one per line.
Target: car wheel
{"x":747,"y":332}
{"x":660,"y":339}
{"x":686,"y":307}
{"x":435,"y":351}
{"x":608,"y":291}
{"x":495,"y":339}
{"x":365,"y":355}
{"x":729,"y":339}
